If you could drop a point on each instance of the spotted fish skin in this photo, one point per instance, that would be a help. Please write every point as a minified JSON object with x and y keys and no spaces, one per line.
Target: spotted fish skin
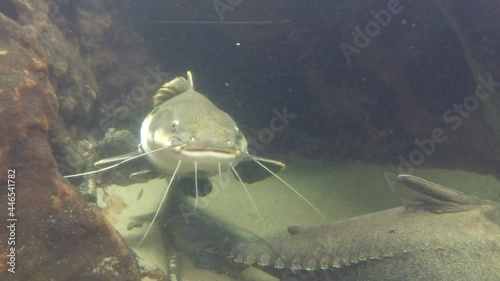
{"x":396,"y":244}
{"x":427,"y":239}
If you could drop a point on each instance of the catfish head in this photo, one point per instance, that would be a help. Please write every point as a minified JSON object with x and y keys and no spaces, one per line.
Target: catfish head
{"x":192,"y":130}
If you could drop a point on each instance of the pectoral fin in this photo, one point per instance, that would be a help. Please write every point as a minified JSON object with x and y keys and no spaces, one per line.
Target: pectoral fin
{"x":140,"y":176}
{"x":115,"y":159}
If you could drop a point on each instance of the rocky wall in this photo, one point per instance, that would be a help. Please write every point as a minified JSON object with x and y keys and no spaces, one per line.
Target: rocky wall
{"x":59,"y":64}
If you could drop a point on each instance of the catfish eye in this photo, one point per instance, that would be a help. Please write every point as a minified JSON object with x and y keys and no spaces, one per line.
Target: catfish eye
{"x":174,"y":124}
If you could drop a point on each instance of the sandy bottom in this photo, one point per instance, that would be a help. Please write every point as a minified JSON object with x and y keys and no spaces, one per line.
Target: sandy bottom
{"x":337,"y":191}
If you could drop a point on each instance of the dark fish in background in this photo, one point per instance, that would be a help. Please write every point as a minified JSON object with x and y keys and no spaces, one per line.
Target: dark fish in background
{"x":444,"y":235}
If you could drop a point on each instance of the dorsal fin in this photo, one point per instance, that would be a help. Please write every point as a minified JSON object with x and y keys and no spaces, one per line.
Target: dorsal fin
{"x":173,"y":88}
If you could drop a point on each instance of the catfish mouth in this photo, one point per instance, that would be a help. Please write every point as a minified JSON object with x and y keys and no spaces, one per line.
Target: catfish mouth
{"x":195,"y":149}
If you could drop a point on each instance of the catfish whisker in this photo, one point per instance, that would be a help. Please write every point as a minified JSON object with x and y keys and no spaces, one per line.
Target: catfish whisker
{"x":248,"y":193}
{"x":161,"y":202}
{"x":196,"y":186}
{"x":117,"y":164}
{"x":221,"y":185}
{"x":289,"y":186}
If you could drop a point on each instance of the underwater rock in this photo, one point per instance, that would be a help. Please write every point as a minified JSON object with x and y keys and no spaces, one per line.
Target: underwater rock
{"x":44,"y":85}
{"x":444,"y":235}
